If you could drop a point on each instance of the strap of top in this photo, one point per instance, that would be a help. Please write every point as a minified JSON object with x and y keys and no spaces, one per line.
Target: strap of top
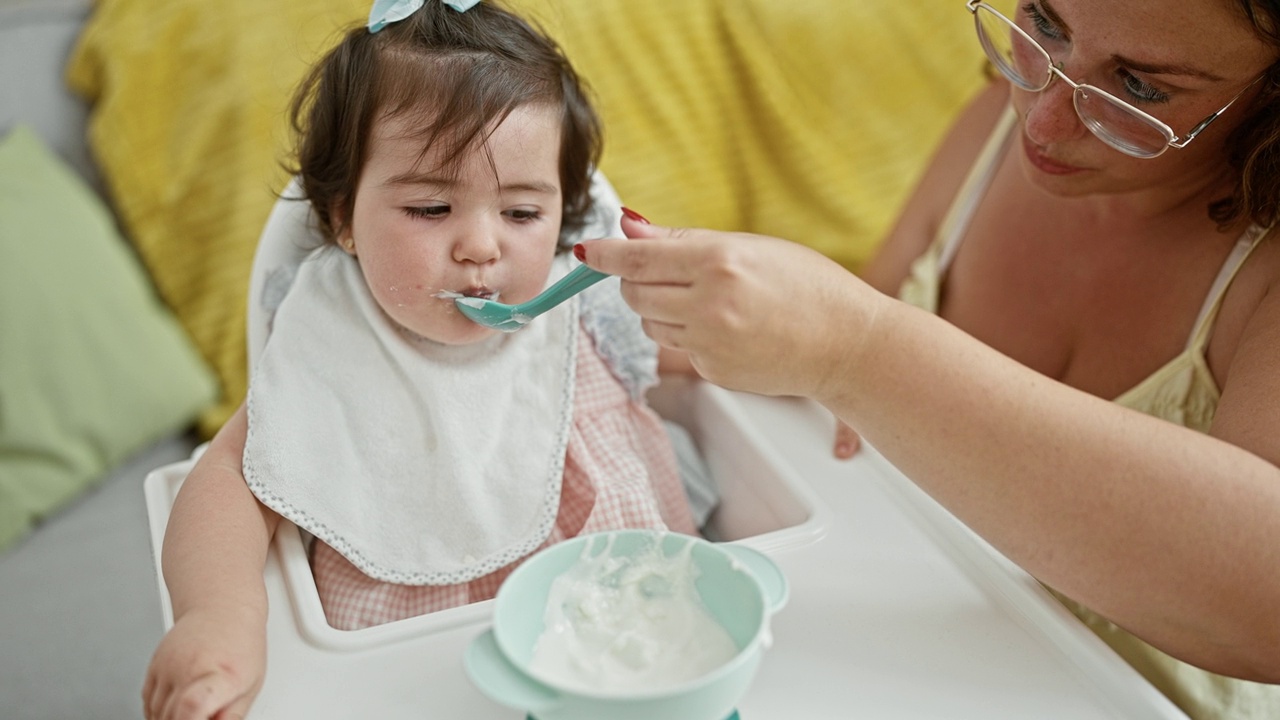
{"x":1203,"y":327}
{"x":956,"y":222}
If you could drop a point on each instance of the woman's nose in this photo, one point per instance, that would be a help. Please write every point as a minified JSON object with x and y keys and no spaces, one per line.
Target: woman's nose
{"x":1051,"y":116}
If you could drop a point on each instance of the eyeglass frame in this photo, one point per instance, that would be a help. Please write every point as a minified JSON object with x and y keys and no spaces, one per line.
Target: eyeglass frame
{"x":1055,"y":69}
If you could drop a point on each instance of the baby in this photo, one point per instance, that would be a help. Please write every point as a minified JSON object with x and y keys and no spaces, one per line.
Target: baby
{"x":445,"y":150}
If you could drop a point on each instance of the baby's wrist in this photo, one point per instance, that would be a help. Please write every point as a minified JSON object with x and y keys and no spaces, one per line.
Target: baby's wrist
{"x":226,"y":612}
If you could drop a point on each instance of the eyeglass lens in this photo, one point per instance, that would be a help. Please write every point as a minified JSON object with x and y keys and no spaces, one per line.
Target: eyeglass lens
{"x":1027,"y":65}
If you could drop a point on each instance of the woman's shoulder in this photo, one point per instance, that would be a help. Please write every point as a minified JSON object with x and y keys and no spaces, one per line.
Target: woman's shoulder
{"x":921,"y":215}
{"x":1249,"y":305}
{"x":1243,"y":354}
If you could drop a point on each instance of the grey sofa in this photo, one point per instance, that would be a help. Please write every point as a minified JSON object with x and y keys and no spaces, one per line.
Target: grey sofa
{"x":79,"y":607}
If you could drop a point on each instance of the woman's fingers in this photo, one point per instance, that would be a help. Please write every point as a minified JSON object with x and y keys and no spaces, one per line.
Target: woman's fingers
{"x":666,"y":255}
{"x":651,"y":261}
{"x":745,"y":307}
{"x":637,"y":226}
{"x":668,"y":336}
{"x":660,"y":303}
{"x":847,"y":441}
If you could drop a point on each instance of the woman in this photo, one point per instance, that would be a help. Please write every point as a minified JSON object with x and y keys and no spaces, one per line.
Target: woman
{"x":1095,"y":388}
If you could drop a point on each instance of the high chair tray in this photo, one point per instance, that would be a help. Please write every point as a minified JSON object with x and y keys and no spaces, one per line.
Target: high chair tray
{"x":896,"y":610}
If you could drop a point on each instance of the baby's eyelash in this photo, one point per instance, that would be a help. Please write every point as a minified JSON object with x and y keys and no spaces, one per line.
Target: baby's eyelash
{"x":430,"y":211}
{"x":524,"y":215}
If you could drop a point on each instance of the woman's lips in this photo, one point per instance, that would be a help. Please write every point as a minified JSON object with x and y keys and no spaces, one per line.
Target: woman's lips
{"x":1043,"y":163}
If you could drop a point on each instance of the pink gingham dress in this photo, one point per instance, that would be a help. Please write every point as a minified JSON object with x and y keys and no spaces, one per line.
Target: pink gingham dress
{"x":620,"y":472}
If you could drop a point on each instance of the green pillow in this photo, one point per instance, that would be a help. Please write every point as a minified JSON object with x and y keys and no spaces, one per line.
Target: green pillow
{"x":93,"y":367}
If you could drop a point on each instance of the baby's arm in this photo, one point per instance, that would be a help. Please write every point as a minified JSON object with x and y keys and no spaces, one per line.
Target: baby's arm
{"x":215,"y":547}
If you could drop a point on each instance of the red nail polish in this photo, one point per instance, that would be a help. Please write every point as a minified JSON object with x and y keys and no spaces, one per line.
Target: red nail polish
{"x":580,"y":252}
{"x":635,"y":215}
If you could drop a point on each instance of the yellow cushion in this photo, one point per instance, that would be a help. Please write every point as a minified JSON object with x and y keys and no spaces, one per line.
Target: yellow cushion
{"x":189,"y":129}
{"x":808,"y":119}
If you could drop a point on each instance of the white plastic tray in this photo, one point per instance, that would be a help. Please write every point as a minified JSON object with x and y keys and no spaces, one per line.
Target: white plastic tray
{"x":896,"y":610}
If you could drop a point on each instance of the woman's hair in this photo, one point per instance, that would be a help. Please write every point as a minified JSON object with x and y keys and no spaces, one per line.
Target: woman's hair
{"x":1253,"y":149}
{"x":462,"y":73}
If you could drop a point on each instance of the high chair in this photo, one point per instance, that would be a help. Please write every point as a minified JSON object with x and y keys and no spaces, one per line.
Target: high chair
{"x":413,"y":668}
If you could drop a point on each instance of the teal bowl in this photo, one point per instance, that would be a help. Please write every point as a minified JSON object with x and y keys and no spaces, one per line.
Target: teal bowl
{"x":740,"y":587}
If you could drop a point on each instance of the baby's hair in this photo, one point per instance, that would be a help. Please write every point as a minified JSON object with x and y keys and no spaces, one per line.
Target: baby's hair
{"x":463,"y":73}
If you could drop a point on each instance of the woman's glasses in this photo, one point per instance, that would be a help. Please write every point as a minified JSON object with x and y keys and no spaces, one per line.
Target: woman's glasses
{"x":1117,"y":123}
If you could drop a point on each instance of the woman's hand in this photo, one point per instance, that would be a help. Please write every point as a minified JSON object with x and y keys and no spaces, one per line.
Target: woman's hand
{"x":754,"y":313}
{"x":848,"y":442}
{"x":209,"y":665}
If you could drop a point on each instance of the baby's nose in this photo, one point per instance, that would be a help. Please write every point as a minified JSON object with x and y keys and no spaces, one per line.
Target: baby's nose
{"x":477,"y":243}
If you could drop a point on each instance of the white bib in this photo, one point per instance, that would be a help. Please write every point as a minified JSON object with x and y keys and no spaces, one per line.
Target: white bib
{"x":422,"y":463}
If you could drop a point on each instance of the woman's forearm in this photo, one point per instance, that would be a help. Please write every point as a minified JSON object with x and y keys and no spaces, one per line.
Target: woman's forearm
{"x":1124,"y":512}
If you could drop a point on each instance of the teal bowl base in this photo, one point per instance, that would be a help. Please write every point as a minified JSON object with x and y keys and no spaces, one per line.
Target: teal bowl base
{"x":732,"y":716}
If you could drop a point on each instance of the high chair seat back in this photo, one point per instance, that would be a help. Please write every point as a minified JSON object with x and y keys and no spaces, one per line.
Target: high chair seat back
{"x":288,"y":236}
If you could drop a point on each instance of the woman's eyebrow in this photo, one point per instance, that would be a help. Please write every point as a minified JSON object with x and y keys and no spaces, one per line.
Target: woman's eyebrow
{"x":1165,"y":69}
{"x":1052,"y":16}
{"x":1149,"y":68}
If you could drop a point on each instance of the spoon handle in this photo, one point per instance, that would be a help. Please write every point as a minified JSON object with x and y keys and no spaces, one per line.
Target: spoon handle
{"x":579,"y":279}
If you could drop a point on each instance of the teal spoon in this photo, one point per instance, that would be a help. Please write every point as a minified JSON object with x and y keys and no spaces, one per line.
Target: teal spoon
{"x":509,"y":318}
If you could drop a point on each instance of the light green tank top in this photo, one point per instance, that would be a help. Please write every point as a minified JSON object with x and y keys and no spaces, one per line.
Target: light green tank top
{"x":1183,"y":391}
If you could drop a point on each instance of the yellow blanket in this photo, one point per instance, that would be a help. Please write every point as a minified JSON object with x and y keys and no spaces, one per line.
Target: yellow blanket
{"x":807,"y":119}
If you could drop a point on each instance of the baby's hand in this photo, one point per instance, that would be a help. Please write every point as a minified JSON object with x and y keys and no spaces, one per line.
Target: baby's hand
{"x":847,"y":441}
{"x":209,"y":665}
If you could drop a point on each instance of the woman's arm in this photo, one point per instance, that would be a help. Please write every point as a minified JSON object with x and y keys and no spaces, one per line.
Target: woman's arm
{"x":918,"y":222}
{"x":215,"y":548}
{"x":1170,"y":533}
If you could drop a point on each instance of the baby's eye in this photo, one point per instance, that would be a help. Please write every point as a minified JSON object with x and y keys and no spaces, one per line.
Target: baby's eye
{"x":521,"y":215}
{"x":428,"y":211}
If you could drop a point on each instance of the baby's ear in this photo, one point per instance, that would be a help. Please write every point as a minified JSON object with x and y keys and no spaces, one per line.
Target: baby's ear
{"x":341,"y":224}
{"x":347,"y":243}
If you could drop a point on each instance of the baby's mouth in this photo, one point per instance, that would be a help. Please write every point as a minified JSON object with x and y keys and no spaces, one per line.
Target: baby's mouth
{"x":480,"y":291}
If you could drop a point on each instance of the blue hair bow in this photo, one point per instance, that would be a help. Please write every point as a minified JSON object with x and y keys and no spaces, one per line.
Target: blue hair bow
{"x":385,"y":12}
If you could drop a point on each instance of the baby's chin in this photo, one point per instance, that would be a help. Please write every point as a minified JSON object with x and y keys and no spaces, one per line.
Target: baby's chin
{"x":457,"y":331}
{"x":470,"y":336}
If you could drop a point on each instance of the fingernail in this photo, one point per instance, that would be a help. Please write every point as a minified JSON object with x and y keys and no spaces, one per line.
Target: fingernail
{"x":580,"y":252}
{"x":635,"y":215}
